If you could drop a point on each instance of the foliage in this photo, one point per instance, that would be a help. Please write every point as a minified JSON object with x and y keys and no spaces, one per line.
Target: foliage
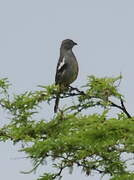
{"x":92,"y":141}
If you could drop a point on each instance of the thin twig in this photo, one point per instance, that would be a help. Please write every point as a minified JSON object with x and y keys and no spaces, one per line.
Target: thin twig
{"x":122,"y":107}
{"x":76,"y":89}
{"x":59,"y":173}
{"x":93,"y":167}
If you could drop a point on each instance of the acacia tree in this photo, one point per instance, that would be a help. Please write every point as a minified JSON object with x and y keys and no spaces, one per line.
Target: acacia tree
{"x":76,"y":135}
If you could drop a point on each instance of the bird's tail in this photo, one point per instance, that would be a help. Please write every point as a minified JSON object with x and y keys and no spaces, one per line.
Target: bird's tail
{"x":56,"y":103}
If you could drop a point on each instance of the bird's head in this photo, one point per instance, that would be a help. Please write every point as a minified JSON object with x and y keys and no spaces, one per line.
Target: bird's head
{"x":68,"y":44}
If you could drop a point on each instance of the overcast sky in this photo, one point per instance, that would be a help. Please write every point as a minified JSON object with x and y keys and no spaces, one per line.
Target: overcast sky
{"x":30,"y":35}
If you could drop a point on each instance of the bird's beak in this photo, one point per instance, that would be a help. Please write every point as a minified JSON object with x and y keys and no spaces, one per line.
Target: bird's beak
{"x":75,"y":44}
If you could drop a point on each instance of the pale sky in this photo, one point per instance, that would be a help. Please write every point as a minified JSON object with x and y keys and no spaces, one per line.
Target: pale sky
{"x":30,"y":35}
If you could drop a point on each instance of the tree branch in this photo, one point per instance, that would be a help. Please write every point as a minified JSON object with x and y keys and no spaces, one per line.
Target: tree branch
{"x":121,"y":107}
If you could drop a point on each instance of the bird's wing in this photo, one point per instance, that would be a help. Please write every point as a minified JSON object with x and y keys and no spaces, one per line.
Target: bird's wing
{"x":61,"y":66}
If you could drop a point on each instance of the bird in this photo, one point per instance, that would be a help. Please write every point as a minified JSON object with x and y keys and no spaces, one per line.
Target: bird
{"x":67,"y":68}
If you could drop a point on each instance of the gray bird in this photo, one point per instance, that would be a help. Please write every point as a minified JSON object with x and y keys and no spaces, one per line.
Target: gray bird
{"x":67,"y":68}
